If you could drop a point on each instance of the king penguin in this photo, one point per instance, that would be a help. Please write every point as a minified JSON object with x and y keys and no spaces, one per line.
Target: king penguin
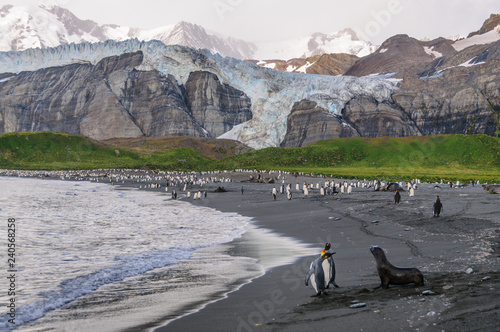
{"x":328,"y":266}
{"x":317,"y":276}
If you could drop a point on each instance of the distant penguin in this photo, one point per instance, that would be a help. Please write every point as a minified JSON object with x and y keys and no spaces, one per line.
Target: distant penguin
{"x":328,"y":266}
{"x":412,"y":192}
{"x":437,"y":207}
{"x":316,"y":276}
{"x":397,"y":197}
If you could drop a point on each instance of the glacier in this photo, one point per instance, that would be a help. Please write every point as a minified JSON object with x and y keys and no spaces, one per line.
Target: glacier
{"x":272,"y":92}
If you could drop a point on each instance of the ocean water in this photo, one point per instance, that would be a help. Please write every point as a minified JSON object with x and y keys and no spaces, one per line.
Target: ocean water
{"x":92,"y":256}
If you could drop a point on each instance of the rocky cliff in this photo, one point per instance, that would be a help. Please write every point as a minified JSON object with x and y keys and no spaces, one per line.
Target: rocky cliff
{"x":454,"y":94}
{"x":114,"y":99}
{"x":133,"y":89}
{"x":444,"y":87}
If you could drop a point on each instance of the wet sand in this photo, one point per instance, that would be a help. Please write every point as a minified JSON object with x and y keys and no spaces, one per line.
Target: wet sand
{"x":465,"y":236}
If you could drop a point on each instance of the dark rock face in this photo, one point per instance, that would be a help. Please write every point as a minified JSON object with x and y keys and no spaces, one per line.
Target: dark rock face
{"x":454,"y":94}
{"x":402,"y":55}
{"x":309,"y":123}
{"x":491,"y":23}
{"x":113,"y":99}
{"x":74,"y":99}
{"x":373,"y":119}
{"x":459,"y":94}
{"x":216,"y":107}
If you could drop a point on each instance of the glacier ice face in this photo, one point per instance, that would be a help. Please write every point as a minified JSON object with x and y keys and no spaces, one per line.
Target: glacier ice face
{"x":272,"y":92}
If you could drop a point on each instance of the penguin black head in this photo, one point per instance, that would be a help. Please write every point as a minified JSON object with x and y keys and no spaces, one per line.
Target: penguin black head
{"x":328,"y":246}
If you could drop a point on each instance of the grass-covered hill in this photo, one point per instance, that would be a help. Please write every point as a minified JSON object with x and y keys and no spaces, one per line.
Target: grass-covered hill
{"x":448,"y":157}
{"x":430,"y":157}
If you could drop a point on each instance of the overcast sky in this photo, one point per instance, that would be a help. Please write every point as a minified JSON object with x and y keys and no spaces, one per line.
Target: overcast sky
{"x":268,"y":20}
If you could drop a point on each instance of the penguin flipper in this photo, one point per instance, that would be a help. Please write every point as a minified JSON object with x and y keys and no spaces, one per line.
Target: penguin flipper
{"x":308,"y":276}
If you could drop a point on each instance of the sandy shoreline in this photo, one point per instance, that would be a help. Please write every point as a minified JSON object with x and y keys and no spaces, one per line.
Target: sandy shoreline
{"x":466,"y":236}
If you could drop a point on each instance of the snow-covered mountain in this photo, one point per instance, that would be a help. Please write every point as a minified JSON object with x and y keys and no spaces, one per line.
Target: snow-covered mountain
{"x":24,"y":27}
{"x":344,"y":41}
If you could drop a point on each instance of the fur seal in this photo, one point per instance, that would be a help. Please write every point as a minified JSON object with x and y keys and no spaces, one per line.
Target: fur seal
{"x":492,"y":188}
{"x":391,"y":275}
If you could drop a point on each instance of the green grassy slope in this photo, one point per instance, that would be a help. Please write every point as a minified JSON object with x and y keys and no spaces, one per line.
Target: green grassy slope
{"x":431,"y":157}
{"x":44,"y":150}
{"x":449,"y":157}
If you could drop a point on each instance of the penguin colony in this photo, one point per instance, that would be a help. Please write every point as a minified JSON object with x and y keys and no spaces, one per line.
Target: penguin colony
{"x":322,"y":270}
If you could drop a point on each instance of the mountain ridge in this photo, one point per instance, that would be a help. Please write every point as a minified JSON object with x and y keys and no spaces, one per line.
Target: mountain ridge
{"x":28,"y":27}
{"x":134,"y":88}
{"x":49,"y":26}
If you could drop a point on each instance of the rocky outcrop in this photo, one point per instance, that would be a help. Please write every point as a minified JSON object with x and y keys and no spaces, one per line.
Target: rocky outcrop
{"x":216,"y":107}
{"x":373,"y":119}
{"x":309,"y":123}
{"x":491,"y":23}
{"x":402,"y":55}
{"x":324,"y":64}
{"x":454,"y":94}
{"x":114,"y":99}
{"x":362,"y":116}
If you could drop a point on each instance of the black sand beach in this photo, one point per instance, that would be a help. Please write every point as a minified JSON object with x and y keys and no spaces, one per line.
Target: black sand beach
{"x":458,"y":253}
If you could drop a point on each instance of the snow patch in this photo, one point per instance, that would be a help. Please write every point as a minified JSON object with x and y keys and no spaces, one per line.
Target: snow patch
{"x":430,"y":51}
{"x":303,"y":69}
{"x":486,"y":38}
{"x":234,"y":133}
